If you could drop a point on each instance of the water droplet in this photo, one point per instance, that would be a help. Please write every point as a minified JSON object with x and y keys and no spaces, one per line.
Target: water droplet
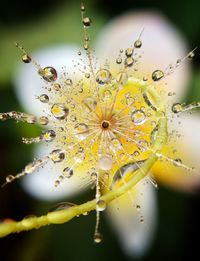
{"x":129,"y":52}
{"x":44,"y":98}
{"x":101,"y":205}
{"x":138,"y":117}
{"x":129,"y":61}
{"x":177,"y":107}
{"x":10,"y":178}
{"x":82,"y":8}
{"x":138,"y":43}
{"x":81,"y":131}
{"x":191,"y":55}
{"x":68,"y":172}
{"x":177,"y":162}
{"x":105,"y":162}
{"x":26,"y":58}
{"x":48,"y":135}
{"x":98,"y":237}
{"x":153,"y":135}
{"x":59,"y":111}
{"x":87,"y":21}
{"x":119,"y":60}
{"x":103,"y":76}
{"x":87,"y":75}
{"x":157,"y":75}
{"x":115,"y":145}
{"x":57,"y":156}
{"x":49,"y":74}
{"x":69,"y":82}
{"x":56,"y":86}
{"x":43,"y":120}
{"x":62,"y":206}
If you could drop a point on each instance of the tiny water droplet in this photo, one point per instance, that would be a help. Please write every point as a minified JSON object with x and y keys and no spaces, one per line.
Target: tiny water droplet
{"x":177,"y":107}
{"x":119,"y":60}
{"x":87,"y":21}
{"x":10,"y":178}
{"x":62,"y":206}
{"x":129,"y":61}
{"x":129,"y":52}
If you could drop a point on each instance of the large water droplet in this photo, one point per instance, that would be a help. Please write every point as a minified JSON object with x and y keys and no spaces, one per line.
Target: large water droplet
{"x":129,"y":61}
{"x":103,"y":76}
{"x":138,"y":117}
{"x":87,"y":21}
{"x":59,"y":111}
{"x":49,"y":135}
{"x":62,"y":206}
{"x":138,"y":43}
{"x":129,"y":52}
{"x":26,"y":58}
{"x":177,"y":107}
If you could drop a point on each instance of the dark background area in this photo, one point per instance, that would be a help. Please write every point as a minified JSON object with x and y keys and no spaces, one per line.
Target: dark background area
{"x":178,"y":227}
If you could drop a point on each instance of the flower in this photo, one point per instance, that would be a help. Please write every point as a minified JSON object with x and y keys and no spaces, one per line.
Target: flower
{"x":102,"y":121}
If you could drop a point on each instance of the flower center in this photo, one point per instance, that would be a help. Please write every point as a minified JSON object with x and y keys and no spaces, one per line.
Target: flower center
{"x":105,"y":124}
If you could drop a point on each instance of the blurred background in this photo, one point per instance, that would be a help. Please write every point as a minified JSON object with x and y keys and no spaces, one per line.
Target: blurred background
{"x":37,"y":24}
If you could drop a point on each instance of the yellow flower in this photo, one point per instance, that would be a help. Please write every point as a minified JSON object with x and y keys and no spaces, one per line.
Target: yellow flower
{"x":102,"y":119}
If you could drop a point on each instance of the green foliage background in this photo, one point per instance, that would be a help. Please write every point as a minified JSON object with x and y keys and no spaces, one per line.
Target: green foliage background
{"x":37,"y":24}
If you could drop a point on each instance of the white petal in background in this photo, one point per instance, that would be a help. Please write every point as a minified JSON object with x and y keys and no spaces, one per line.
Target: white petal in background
{"x":162,"y":44}
{"x":134,"y":236}
{"x":29,"y":84}
{"x":41,"y":183}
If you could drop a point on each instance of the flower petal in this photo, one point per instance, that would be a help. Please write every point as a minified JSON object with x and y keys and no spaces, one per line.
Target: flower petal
{"x":188,"y":144}
{"x":29,"y":84}
{"x":133,"y":217}
{"x":162,"y":44}
{"x":41,"y":184}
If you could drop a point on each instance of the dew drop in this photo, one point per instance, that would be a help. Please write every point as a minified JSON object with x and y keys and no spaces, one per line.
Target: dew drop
{"x":115,"y":144}
{"x":26,"y":58}
{"x":138,"y":43}
{"x":87,"y":21}
{"x":157,"y":75}
{"x":129,"y":61}
{"x":43,"y":120}
{"x":98,"y":237}
{"x":68,"y":172}
{"x":129,"y":52}
{"x":59,"y":111}
{"x":105,"y":162}
{"x":191,"y":55}
{"x":177,"y":107}
{"x":49,"y":135}
{"x":119,"y":60}
{"x":44,"y":98}
{"x":69,"y":82}
{"x":81,"y":131}
{"x":103,"y":76}
{"x":48,"y":73}
{"x":57,"y":156}
{"x":138,"y":117}
{"x":10,"y":178}
{"x":56,"y":86}
{"x":79,"y":156}
{"x":101,"y":205}
{"x":177,"y":162}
